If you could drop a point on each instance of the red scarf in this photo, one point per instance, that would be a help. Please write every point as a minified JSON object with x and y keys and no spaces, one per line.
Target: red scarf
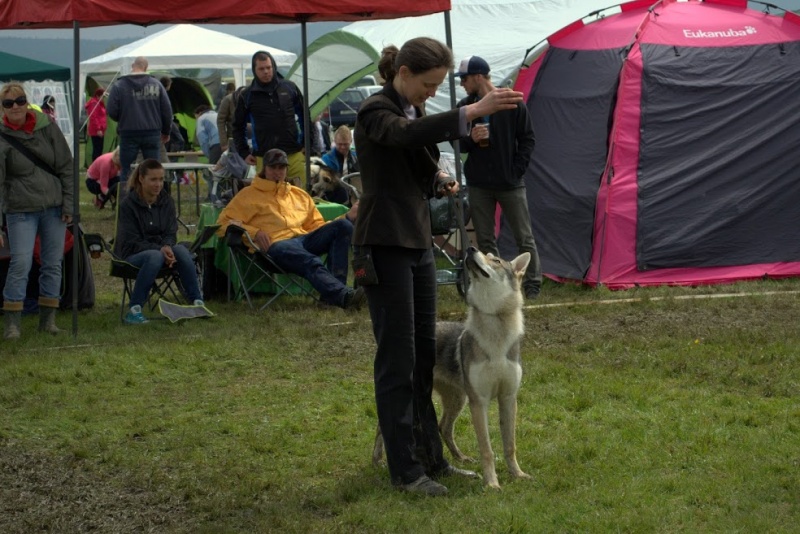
{"x":30,"y":122}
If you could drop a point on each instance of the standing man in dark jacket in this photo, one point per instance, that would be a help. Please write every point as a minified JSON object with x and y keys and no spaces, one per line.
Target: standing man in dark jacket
{"x":140,"y":105}
{"x":274,"y":109}
{"x":499,"y":152}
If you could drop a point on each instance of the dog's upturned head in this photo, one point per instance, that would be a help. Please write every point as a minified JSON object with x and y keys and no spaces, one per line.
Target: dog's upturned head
{"x":494,"y":283}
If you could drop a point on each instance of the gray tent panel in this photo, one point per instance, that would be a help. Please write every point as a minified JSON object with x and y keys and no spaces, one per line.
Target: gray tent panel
{"x":572,"y":100}
{"x":729,"y":199}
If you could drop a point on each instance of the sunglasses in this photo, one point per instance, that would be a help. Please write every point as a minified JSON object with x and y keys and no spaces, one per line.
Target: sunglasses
{"x":20,"y":101}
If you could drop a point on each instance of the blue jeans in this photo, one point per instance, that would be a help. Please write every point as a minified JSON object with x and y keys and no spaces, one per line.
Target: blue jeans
{"x":22,"y":230}
{"x":129,"y":146}
{"x":150,"y":262}
{"x":300,"y":255}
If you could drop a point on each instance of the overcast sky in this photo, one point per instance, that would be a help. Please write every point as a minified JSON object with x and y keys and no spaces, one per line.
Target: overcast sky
{"x":127,"y":31}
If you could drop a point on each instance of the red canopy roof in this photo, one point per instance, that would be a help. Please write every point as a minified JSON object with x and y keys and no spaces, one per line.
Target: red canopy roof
{"x":21,"y":14}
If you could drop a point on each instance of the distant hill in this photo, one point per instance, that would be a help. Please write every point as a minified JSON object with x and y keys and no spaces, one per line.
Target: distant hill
{"x":59,"y":51}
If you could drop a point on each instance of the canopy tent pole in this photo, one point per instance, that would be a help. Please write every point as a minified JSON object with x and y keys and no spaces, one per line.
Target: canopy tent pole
{"x":306,"y":110}
{"x":76,"y":219}
{"x":448,"y":33}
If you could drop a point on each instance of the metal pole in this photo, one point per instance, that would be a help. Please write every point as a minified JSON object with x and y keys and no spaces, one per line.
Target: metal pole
{"x":76,"y":218}
{"x":306,"y":110}
{"x":464,"y":238}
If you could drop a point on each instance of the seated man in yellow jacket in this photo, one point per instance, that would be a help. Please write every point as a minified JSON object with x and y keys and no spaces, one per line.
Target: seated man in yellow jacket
{"x":283,"y":220}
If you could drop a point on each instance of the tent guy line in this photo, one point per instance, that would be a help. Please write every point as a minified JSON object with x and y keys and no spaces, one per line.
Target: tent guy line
{"x":634,"y":300}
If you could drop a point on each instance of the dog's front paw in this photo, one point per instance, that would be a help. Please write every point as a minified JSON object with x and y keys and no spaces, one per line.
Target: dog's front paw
{"x":521,"y":475}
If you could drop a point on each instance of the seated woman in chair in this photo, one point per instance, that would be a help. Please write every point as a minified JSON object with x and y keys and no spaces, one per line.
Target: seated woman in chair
{"x":147,"y":237}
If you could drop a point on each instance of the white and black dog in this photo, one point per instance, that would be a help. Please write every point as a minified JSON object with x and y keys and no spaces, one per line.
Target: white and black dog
{"x":479,"y":360}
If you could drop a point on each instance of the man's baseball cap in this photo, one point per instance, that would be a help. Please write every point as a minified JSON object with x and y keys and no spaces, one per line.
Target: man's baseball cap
{"x":275,"y":157}
{"x":472,"y":65}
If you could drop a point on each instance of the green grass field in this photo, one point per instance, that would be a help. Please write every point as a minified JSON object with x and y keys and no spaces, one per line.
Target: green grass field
{"x":653,"y":410}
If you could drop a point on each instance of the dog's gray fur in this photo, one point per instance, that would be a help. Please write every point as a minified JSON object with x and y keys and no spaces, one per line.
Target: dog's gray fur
{"x":479,"y":360}
{"x":323,"y":181}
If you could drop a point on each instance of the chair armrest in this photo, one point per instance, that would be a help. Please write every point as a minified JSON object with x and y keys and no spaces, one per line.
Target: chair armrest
{"x":234,"y":235}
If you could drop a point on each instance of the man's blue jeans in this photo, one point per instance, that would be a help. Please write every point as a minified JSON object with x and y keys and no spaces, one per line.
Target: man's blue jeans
{"x":22,"y":230}
{"x":129,"y":146}
{"x":150,"y":262}
{"x":301,"y":255}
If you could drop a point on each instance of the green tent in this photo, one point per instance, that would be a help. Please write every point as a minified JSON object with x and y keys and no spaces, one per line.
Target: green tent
{"x":340,"y":59}
{"x":24,"y":69}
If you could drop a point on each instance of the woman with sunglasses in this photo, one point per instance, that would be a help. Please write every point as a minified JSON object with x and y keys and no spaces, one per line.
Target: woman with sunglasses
{"x":36,"y":189}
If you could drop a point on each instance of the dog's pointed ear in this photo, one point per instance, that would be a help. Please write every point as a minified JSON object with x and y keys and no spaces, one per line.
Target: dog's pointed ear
{"x":520,"y":263}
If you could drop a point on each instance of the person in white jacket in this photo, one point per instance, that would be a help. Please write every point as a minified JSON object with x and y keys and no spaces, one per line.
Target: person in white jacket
{"x":207,"y":132}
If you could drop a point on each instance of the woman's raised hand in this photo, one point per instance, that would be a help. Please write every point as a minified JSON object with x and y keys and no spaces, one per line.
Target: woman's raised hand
{"x":495,"y":100}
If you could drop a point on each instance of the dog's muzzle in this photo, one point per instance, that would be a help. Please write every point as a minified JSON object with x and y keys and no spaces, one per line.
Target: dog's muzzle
{"x":472,"y":265}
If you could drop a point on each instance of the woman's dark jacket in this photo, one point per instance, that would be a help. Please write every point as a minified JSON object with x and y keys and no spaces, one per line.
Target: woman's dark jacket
{"x":399,"y":161}
{"x":142,"y":227}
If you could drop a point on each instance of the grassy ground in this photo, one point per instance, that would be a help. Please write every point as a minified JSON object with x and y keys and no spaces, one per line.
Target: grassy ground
{"x":652,"y":410}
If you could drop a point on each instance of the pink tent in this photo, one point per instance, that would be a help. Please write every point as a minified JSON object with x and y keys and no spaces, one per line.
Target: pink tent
{"x":666,"y":151}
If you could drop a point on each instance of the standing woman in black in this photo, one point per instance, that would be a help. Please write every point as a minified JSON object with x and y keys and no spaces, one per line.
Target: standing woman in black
{"x":396,"y":144}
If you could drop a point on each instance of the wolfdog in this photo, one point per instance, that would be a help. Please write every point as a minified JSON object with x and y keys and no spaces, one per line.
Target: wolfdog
{"x":480,"y":360}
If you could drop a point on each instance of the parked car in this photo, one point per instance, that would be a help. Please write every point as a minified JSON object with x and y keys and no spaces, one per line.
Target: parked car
{"x":344,"y":108}
{"x":366,"y":80}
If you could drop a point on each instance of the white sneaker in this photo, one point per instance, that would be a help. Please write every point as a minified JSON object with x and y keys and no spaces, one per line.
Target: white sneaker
{"x":199,"y":302}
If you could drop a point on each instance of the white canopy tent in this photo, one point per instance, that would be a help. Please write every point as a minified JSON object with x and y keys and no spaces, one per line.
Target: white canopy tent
{"x":500,"y":31}
{"x":185,"y":46}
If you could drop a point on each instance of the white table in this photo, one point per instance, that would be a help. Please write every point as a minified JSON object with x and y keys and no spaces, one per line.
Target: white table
{"x":177,"y":169}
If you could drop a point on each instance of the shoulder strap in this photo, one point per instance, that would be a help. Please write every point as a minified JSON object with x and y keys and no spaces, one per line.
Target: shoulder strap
{"x":27,"y":153}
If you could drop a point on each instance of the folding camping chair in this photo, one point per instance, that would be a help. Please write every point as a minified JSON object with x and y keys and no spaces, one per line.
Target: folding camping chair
{"x":228,"y":176}
{"x":353,"y":183}
{"x":167,"y":285}
{"x":248,"y":268}
{"x":449,"y":217}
